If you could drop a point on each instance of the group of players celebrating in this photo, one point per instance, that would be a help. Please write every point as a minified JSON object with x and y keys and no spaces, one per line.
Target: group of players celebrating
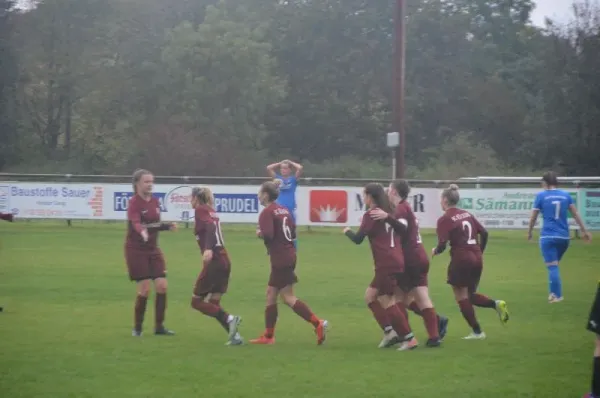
{"x":145,"y":261}
{"x":401,"y":264}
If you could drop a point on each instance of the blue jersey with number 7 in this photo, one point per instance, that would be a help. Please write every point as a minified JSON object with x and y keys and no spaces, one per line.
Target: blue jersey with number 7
{"x":554,"y":206}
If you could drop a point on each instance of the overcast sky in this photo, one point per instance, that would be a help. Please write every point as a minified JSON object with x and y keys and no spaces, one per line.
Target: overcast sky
{"x":559,"y":10}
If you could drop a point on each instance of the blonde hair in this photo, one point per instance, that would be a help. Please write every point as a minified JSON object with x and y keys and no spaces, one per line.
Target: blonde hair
{"x":137,"y":176}
{"x":451,"y":194}
{"x":204,"y":195}
{"x":271,"y":189}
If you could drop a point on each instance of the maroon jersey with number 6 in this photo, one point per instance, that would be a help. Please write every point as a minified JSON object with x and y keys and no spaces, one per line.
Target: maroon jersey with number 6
{"x":385,"y":244}
{"x":278,"y":232}
{"x":461,"y":229}
{"x":142,"y":214}
{"x":208,"y":233}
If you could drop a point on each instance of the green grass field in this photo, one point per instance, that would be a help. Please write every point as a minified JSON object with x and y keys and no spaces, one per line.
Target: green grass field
{"x":65,"y":330}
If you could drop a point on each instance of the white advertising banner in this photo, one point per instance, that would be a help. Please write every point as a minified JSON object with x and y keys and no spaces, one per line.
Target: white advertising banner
{"x":317,"y":206}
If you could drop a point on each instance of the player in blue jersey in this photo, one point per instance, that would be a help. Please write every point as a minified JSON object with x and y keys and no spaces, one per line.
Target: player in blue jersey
{"x":554,"y":205}
{"x":288,"y":182}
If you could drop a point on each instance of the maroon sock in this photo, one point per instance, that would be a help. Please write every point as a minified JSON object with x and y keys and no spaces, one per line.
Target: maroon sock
{"x":399,"y":321}
{"x":270,"y":320}
{"x":430,"y":319}
{"x":415,"y":308}
{"x":481,"y":300}
{"x":402,"y":308}
{"x":212,"y":310}
{"x":160,"y":307}
{"x":305,"y":313}
{"x":468,"y":312}
{"x":222,"y":321}
{"x":380,"y":316}
{"x":140,"y":310}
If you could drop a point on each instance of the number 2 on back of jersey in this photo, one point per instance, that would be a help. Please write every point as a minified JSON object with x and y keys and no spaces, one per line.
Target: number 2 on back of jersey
{"x":469,"y":229}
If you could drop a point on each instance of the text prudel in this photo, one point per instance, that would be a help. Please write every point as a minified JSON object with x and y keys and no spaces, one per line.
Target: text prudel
{"x":49,"y":192}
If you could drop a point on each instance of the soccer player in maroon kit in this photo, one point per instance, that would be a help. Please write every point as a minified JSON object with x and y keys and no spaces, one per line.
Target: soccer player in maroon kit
{"x":461,"y":229}
{"x":213,"y":280}
{"x":389,"y":267}
{"x":278,"y":231}
{"x":145,"y":261}
{"x":416,"y":264}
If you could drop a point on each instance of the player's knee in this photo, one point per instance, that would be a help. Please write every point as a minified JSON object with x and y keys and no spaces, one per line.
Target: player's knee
{"x":160,"y":284}
{"x":288,"y":299}
{"x":386,"y":301}
{"x":196,"y":299}
{"x":460,"y":293}
{"x":143,"y":288}
{"x":271,"y":295}
{"x":370,"y":295}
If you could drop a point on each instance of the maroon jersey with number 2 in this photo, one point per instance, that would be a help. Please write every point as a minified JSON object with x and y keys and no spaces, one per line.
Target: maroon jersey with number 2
{"x":461,"y":229}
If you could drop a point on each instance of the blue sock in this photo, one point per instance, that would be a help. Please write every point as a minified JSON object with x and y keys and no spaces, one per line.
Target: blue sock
{"x":555,"y":282}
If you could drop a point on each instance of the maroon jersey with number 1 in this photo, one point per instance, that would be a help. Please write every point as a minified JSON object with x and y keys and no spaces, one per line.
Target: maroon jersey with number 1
{"x":412,"y":246}
{"x":278,"y":231}
{"x":208,"y":233}
{"x":386,"y":246}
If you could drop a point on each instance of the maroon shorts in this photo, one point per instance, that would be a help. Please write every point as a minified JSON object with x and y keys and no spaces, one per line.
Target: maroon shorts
{"x":415,"y":275}
{"x":283,"y":276}
{"x":214,"y":278}
{"x":143,"y":264}
{"x":386,"y":282}
{"x":465,"y":270}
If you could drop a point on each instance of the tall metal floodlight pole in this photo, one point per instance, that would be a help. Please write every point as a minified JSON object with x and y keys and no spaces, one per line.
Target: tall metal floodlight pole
{"x":393,"y":141}
{"x":398,"y":86}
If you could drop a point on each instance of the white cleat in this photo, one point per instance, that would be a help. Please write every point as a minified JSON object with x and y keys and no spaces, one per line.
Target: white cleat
{"x":552,"y":298}
{"x":235,"y":340}
{"x":234,"y":323}
{"x":408,"y":345}
{"x":475,"y":336}
{"x":389,"y":340}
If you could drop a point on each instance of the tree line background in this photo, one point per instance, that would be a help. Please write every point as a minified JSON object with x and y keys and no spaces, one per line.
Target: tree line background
{"x":207,"y":87}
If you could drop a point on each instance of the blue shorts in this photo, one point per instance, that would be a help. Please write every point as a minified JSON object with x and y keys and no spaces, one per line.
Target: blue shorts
{"x":553,"y":249}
